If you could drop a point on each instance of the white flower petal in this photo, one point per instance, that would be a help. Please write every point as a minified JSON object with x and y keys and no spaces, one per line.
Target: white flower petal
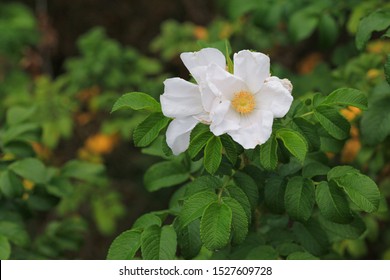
{"x":178,"y":134}
{"x":203,"y":118}
{"x":224,"y":118}
{"x":275,"y":97}
{"x":224,"y":84}
{"x":255,"y":129}
{"x":252,"y":67}
{"x":208,"y":97}
{"x":196,"y":62}
{"x":285,"y":82}
{"x":180,"y":99}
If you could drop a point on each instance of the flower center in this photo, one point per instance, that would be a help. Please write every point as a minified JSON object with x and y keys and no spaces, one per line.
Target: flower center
{"x":243,"y":102}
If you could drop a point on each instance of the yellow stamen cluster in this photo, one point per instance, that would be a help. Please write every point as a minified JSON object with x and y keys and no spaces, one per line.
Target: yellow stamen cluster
{"x":243,"y":102}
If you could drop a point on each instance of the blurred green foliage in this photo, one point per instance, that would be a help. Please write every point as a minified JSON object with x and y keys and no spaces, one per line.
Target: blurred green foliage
{"x":18,"y":28}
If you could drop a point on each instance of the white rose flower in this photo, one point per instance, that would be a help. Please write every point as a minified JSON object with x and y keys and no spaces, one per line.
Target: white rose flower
{"x":242,"y":104}
{"x":248,"y":100}
{"x":188,"y":103}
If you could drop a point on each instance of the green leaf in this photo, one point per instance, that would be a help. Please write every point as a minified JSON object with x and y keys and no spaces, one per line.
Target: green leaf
{"x":262,"y":252}
{"x":249,"y":186}
{"x":60,"y":187}
{"x":213,"y":154}
{"x":146,"y":221}
{"x":10,"y":184}
{"x":137,"y":101}
{"x":158,"y":148}
{"x":340,"y":171}
{"x":82,"y":170}
{"x":165,"y":148}
{"x":301,"y":256}
{"x":332,"y":203}
{"x":347,"y":97}
{"x":32,"y":169}
{"x":375,"y":123}
{"x":158,"y":243}
{"x":302,"y":23}
{"x":254,"y":239}
{"x":268,"y":154}
{"x":352,"y":230}
{"x":294,"y":142}
{"x":237,"y":8}
{"x":328,"y":30}
{"x":176,"y":200}
{"x":387,"y":69}
{"x":278,"y":233}
{"x":290,"y":168}
{"x":309,"y":131}
{"x":330,"y":144}
{"x":314,"y":168}
{"x":361,"y":190}
{"x":14,"y":232}
{"x":239,"y":220}
{"x":125,"y":246}
{"x":165,"y":174}
{"x":238,"y":194}
{"x":274,"y":191}
{"x":215,"y":226}
{"x":19,"y":148}
{"x":299,"y":198}
{"x":203,"y":183}
{"x":258,"y":175}
{"x":198,"y":142}
{"x":41,"y":202}
{"x":5,"y":248}
{"x":195,"y":205}
{"x":20,"y":132}
{"x":148,"y":130}
{"x":312,"y":237}
{"x":107,"y":209}
{"x":287,"y":248}
{"x":230,"y":148}
{"x":376,"y":21}
{"x":189,"y":239}
{"x":17,"y":114}
{"x":331,"y":120}
{"x":199,"y":129}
